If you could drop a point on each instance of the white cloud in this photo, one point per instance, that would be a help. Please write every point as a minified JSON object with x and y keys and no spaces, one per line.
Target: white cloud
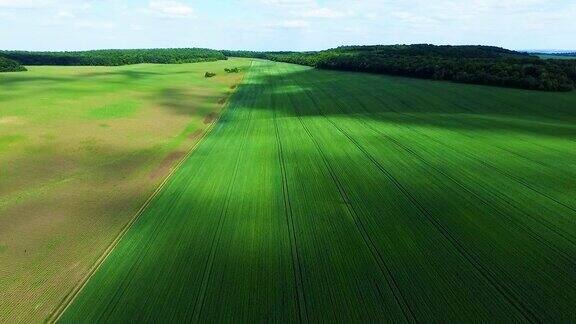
{"x":289,"y":24}
{"x":412,"y":19}
{"x":304,"y":9}
{"x":136,"y":27}
{"x":24,"y":4}
{"x":322,"y":13}
{"x":173,"y":9}
{"x":63,"y":14}
{"x":95,"y":24}
{"x":286,"y":24}
{"x":288,"y":2}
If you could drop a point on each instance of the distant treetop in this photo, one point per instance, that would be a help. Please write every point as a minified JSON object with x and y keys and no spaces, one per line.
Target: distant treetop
{"x":116,"y":57}
{"x":486,"y":65}
{"x":8,"y":65}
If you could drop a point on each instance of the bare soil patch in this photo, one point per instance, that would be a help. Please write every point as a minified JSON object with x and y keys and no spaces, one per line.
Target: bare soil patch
{"x":10,"y":120}
{"x":210,"y":118}
{"x":196,"y":134}
{"x":166,"y":164}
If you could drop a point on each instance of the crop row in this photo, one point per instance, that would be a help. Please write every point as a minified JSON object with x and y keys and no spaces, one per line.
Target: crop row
{"x":330,"y":196}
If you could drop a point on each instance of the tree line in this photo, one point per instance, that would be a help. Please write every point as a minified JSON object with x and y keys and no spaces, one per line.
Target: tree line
{"x":116,"y":57}
{"x":8,"y":65}
{"x":485,"y":65}
{"x":468,"y":64}
{"x":565,"y":54}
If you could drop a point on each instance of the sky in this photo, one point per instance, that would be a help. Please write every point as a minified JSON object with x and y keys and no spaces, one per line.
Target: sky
{"x":284,"y":24}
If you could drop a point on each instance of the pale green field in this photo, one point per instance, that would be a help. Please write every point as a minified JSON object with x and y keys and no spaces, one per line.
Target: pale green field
{"x":81,"y":149}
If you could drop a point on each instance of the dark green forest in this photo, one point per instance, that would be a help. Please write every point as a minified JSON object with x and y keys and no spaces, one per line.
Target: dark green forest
{"x":484,"y":65}
{"x":467,"y":64}
{"x":116,"y":57}
{"x":7,"y":65}
{"x":561,"y":55}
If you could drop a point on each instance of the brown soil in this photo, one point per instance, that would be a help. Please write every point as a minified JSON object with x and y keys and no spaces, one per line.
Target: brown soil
{"x":10,"y":120}
{"x":164,"y":168}
{"x":196,"y":134}
{"x":210,"y":118}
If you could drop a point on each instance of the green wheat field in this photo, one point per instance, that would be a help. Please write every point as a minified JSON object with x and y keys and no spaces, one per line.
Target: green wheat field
{"x":323,"y":196}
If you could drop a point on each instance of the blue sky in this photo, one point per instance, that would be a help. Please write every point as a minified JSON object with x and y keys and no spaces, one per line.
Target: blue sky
{"x":284,"y":24}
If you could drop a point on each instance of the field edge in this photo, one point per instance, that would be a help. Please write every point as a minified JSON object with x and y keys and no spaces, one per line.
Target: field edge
{"x":55,"y":316}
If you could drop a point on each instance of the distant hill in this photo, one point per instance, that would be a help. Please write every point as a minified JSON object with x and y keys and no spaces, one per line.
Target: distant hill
{"x":560,"y":56}
{"x":8,"y":65}
{"x":548,"y":51}
{"x":468,"y":64}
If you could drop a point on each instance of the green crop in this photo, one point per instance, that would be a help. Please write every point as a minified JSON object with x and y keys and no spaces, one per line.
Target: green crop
{"x":346,"y":197}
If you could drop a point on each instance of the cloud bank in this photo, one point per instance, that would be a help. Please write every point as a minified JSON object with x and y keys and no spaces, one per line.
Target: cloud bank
{"x":284,"y":24}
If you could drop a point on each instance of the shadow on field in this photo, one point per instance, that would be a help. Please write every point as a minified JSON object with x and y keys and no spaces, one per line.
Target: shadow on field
{"x":15,"y":86}
{"x":183,"y":101}
{"x":125,"y":74}
{"x":301,"y":91}
{"x":223,"y":221}
{"x":12,"y":80}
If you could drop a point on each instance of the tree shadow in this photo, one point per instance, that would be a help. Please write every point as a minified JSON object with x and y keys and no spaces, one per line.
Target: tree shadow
{"x":302,"y":91}
{"x":125,"y":74}
{"x":12,"y":81}
{"x":184,"y":101}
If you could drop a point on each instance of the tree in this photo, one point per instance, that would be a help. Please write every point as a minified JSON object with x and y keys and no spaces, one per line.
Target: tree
{"x":8,"y":65}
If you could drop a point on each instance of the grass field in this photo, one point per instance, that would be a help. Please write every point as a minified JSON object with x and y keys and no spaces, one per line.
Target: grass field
{"x":332,"y":196}
{"x":81,"y":149}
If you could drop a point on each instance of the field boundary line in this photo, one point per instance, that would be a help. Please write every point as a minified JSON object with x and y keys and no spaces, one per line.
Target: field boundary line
{"x":199,"y":303}
{"x":55,"y":316}
{"x":386,"y":272}
{"x":296,"y":264}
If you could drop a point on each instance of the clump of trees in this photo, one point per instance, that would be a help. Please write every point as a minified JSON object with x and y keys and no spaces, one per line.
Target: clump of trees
{"x":209,"y":74}
{"x":8,"y":65}
{"x":468,"y":64}
{"x":249,"y":54}
{"x":116,"y":57}
{"x":233,"y":70}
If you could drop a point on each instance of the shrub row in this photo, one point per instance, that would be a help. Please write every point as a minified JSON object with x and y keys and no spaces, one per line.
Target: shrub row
{"x":7,"y":65}
{"x":116,"y":57}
